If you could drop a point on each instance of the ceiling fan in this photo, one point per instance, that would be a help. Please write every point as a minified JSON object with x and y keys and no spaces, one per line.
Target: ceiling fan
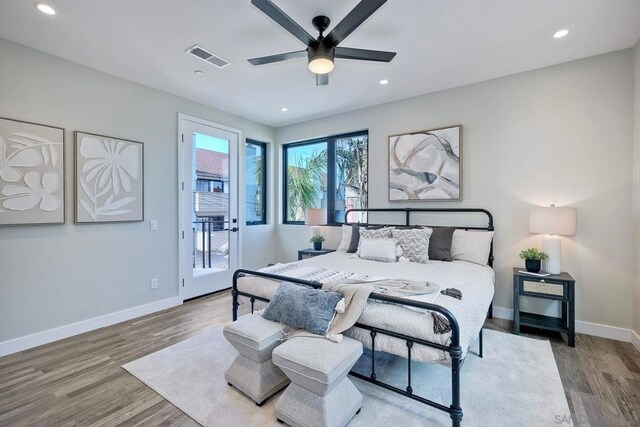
{"x":322,"y":50}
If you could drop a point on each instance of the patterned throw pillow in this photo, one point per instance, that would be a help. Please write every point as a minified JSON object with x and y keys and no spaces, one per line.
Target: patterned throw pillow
{"x":377,"y":233}
{"x":414,"y":243}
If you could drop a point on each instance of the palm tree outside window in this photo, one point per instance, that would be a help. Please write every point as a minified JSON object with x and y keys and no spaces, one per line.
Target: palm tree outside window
{"x":326,"y":173}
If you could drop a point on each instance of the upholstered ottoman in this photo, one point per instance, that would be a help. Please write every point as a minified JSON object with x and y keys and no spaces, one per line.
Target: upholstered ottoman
{"x":253,"y":371}
{"x":320,"y":393}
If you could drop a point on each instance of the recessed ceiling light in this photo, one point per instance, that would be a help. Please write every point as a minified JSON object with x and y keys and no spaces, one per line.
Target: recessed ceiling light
{"x":198,"y":72}
{"x":284,"y":109}
{"x":560,"y":34}
{"x":384,"y":82}
{"x":45,"y":8}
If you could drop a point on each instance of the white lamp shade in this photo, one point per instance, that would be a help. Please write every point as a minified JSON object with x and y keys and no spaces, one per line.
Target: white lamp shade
{"x":315,"y":216}
{"x":552,"y":220}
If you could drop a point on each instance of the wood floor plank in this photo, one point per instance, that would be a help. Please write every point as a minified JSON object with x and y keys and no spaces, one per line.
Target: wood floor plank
{"x":80,"y":381}
{"x":162,"y":413}
{"x":573,"y":377}
{"x":629,"y":356}
{"x":580,"y":415}
{"x":624,"y":397}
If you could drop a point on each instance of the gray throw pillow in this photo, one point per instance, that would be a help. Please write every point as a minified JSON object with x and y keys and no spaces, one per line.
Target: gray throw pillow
{"x":440,"y":244}
{"x":355,"y":239}
{"x":302,"y":307}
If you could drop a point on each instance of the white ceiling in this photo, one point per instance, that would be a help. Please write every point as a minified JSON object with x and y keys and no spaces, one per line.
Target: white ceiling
{"x":440,"y":44}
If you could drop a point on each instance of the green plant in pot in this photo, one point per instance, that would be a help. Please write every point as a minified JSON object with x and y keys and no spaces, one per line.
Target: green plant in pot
{"x":532,"y":259}
{"x":317,"y":242}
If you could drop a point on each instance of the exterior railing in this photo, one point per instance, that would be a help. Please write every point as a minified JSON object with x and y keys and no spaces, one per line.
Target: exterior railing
{"x":209,"y":237}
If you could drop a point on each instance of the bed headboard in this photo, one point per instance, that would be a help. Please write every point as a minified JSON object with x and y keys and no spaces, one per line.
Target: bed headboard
{"x":407,"y":218}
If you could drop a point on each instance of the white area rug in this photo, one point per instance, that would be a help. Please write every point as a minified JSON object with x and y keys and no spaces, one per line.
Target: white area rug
{"x":516,"y":384}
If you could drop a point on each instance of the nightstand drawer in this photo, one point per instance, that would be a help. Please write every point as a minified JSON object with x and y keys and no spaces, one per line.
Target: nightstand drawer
{"x":541,"y":287}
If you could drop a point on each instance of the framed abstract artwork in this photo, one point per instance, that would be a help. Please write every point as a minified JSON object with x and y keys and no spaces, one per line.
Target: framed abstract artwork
{"x":109,"y":179}
{"x":426,"y":165}
{"x":31,"y":173}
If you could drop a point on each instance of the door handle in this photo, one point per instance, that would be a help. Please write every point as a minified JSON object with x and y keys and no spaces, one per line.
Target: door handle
{"x":234,"y":230}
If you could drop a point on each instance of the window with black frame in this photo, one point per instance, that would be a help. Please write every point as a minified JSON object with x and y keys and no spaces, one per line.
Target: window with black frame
{"x":256,"y":182}
{"x":326,"y":173}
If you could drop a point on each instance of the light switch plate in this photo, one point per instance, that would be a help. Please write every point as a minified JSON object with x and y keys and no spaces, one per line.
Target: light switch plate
{"x":153,"y":225}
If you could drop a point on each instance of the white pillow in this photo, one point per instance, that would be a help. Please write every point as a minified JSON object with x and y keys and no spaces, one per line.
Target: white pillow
{"x":472,"y":246}
{"x":346,"y":238}
{"x":376,"y":233}
{"x":383,"y":250}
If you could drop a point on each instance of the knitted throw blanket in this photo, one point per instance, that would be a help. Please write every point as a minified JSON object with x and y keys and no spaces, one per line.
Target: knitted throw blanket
{"x":357,"y":293}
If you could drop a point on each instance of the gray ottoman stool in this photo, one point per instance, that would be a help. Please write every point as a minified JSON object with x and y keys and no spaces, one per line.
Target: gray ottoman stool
{"x":320,"y":393}
{"x":253,"y":372}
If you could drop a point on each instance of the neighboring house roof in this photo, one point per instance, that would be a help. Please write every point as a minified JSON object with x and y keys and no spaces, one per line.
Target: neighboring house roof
{"x":212,"y":164}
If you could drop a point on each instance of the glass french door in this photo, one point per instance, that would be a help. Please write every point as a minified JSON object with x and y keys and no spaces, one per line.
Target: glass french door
{"x":208,"y":206}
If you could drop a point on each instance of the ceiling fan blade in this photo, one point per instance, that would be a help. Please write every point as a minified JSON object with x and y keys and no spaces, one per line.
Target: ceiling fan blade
{"x":275,"y":13}
{"x":357,"y":16}
{"x":322,"y":79}
{"x":364,"y":54}
{"x":277,"y":58}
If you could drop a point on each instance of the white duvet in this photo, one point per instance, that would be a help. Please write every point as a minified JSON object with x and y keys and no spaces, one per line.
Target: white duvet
{"x":476,"y":282}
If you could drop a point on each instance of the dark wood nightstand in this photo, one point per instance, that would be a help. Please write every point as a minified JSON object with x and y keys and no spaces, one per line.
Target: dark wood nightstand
{"x":308,"y":253}
{"x":556,"y":287}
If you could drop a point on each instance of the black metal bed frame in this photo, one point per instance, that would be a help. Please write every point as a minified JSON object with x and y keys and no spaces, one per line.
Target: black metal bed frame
{"x":454,"y":349}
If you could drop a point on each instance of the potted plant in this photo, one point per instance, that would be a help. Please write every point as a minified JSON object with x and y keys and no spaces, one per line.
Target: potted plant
{"x":317,"y":242}
{"x":532,"y":258}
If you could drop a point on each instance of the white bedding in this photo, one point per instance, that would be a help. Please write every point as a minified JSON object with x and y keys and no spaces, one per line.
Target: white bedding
{"x":476,"y":283}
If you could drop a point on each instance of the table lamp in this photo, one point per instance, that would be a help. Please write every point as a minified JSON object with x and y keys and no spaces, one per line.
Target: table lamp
{"x":553,"y":222}
{"x":315,"y":217}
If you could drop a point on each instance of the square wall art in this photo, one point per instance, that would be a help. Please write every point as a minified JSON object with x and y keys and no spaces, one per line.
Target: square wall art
{"x":426,"y":165}
{"x":109,"y":179}
{"x":31,"y":173}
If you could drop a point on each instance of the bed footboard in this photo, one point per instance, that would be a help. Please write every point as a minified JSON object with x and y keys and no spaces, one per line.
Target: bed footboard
{"x":454,"y":349}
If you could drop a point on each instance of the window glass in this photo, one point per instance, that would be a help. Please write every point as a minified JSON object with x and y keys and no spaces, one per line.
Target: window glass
{"x":306,"y":179}
{"x":351,"y":177}
{"x":330,"y":173}
{"x":255,"y":182}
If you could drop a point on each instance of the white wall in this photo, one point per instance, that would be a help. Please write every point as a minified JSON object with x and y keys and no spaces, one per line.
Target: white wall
{"x":636,"y":186}
{"x":51,"y":276}
{"x":560,"y":135}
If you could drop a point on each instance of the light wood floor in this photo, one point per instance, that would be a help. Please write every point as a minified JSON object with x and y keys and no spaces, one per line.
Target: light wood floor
{"x":79,"y":381}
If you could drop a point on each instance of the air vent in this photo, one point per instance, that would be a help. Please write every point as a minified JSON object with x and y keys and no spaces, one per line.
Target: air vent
{"x":207,"y":56}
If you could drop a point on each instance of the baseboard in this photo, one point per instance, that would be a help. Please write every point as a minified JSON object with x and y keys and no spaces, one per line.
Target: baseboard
{"x":587,"y":328}
{"x":635,"y":340}
{"x":29,"y":341}
{"x":502,"y":313}
{"x":604,"y":331}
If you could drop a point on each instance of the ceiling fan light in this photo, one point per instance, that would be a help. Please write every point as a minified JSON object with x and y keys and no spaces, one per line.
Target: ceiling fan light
{"x":321,"y":65}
